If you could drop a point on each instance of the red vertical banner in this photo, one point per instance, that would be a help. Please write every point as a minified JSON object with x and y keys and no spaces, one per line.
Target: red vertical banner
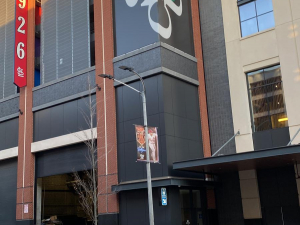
{"x":20,"y":69}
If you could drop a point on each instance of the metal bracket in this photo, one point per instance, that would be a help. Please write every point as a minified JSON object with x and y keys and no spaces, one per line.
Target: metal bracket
{"x":20,"y":111}
{"x":293,"y":137}
{"x":98,"y":87}
{"x":238,"y":133}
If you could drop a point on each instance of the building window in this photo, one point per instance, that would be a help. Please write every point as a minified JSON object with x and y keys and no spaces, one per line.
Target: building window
{"x":255,"y":16}
{"x":267,"y":99}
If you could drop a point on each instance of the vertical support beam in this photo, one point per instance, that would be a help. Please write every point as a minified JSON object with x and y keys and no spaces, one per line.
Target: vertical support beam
{"x":250,"y":194}
{"x":39,"y":191}
{"x":201,"y":78}
{"x":26,"y":161}
{"x":106,"y":110}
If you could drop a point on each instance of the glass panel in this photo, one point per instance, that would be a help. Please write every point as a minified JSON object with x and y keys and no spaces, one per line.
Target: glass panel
{"x":262,"y":123}
{"x":266,"y":21}
{"x":247,"y":11}
{"x":263,"y":6}
{"x":249,"y":27}
{"x":272,"y":74}
{"x":186,"y":217}
{"x":196,"y":199}
{"x":199,"y":217}
{"x":256,"y":79}
{"x":279,"y":120}
{"x":185,"y":198}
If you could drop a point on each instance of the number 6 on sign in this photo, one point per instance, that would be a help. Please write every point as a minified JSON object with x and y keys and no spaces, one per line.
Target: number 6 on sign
{"x":22,"y":6}
{"x":20,"y":50}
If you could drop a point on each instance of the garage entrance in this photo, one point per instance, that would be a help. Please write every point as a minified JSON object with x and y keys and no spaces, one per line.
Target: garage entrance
{"x":56,"y":197}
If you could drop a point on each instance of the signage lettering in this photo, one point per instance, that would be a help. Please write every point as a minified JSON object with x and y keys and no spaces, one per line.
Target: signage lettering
{"x":165,"y":32}
{"x":20,"y":78}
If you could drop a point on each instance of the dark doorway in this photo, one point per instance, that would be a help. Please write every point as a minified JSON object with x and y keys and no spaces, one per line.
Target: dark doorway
{"x":192,"y":207}
{"x":56,"y":197}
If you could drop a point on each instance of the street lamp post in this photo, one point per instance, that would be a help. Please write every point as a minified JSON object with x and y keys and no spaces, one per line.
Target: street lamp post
{"x":148,"y":169}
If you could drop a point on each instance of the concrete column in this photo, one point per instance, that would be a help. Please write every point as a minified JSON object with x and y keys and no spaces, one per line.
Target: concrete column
{"x":250,"y":194}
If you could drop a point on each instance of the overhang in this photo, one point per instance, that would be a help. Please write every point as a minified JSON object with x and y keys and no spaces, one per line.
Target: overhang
{"x":163,"y":182}
{"x":269,"y":158}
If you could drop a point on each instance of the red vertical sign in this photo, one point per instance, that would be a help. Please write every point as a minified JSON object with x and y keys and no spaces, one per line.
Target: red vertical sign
{"x":20,"y":70}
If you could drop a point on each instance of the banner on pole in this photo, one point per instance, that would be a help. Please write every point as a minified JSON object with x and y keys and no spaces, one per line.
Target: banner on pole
{"x":20,"y":68}
{"x":141,"y":144}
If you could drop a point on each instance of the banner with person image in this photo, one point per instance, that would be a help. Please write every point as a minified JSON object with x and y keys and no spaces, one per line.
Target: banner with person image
{"x":141,"y":144}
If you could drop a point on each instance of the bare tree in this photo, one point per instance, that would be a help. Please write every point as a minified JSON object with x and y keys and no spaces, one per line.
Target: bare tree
{"x":86,"y":186}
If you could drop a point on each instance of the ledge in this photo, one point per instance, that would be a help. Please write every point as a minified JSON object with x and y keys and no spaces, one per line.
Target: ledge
{"x":63,"y":140}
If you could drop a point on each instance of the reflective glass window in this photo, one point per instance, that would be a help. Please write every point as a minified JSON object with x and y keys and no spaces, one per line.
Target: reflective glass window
{"x":249,"y":27}
{"x":263,"y":6}
{"x":267,"y":99}
{"x":256,"y":16}
{"x":266,"y":21}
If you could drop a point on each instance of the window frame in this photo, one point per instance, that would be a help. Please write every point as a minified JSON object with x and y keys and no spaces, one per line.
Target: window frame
{"x":267,"y":99}
{"x":244,"y":2}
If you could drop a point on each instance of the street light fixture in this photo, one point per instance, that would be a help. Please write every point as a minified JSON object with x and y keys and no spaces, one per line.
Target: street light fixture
{"x":148,"y":168}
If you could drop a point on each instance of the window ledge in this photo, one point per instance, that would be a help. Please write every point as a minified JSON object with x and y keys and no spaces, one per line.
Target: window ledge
{"x":258,"y":33}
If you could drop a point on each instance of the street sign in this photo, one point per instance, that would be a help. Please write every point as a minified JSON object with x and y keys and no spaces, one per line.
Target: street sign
{"x":20,"y":67}
{"x":164,"y":199}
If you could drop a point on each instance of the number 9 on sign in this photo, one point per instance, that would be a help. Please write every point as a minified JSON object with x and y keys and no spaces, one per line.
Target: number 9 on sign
{"x":23,"y":4}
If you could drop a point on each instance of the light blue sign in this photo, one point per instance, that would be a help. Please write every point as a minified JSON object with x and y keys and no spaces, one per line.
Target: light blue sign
{"x":164,"y":199}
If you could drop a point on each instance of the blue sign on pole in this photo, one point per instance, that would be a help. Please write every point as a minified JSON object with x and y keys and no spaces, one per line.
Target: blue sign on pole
{"x":164,"y":199}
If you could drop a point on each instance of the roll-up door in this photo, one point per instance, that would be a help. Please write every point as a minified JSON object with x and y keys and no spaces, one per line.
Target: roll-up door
{"x":62,"y":160}
{"x":8,"y":190}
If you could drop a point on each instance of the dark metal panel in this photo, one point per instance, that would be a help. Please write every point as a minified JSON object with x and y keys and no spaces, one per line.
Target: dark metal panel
{"x":11,"y":133}
{"x":62,"y":160}
{"x":291,"y":215}
{"x":119,"y":104}
{"x":131,"y":102}
{"x":262,"y":140}
{"x":272,"y":215}
{"x":280,"y":137}
{"x":134,"y":170}
{"x":35,"y":126}
{"x":229,"y":201}
{"x":108,"y":219}
{"x":8,"y":190}
{"x":129,"y":129}
{"x":121,"y":163}
{"x":2,"y":136}
{"x":166,"y":91}
{"x":178,"y":98}
{"x":84,"y":113}
{"x":24,"y":222}
{"x":181,"y":127}
{"x":44,"y":124}
{"x":57,"y":121}
{"x":152,"y":96}
{"x":9,"y":107}
{"x":70,"y":117}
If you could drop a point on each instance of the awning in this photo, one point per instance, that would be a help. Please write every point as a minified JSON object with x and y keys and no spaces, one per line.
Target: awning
{"x":163,"y":182}
{"x":269,"y":158}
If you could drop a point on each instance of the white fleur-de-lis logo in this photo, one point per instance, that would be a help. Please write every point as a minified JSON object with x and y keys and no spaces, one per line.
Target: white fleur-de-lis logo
{"x":165,"y":32}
